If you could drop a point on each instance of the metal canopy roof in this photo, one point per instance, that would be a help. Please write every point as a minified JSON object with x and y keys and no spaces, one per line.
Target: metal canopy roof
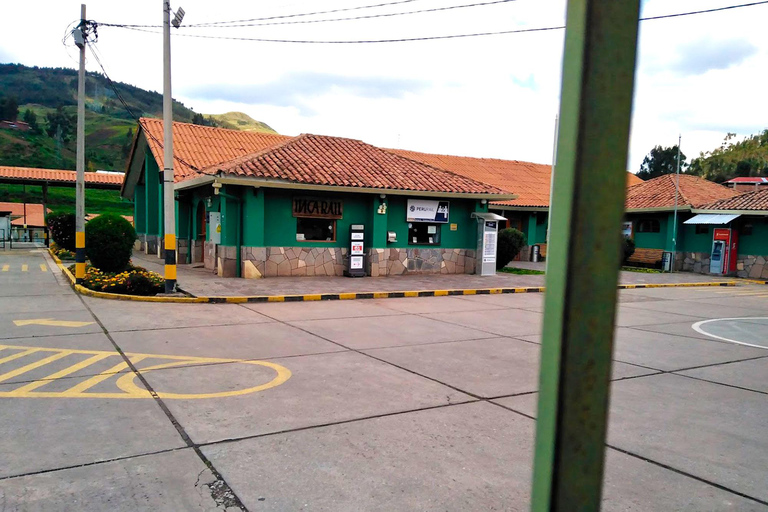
{"x":487,"y":216}
{"x":711,"y":218}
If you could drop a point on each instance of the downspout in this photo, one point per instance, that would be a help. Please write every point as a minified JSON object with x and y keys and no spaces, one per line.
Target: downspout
{"x":190,"y":218}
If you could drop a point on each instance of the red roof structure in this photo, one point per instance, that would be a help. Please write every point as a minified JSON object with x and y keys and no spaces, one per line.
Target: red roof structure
{"x":659,"y":193}
{"x":335,"y":161}
{"x":59,"y":176}
{"x":34,"y":214}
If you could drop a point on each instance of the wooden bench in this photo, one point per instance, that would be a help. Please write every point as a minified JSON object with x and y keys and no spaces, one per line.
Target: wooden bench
{"x":650,"y":257}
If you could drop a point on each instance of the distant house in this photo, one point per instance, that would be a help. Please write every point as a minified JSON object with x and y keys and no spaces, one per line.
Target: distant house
{"x":27,"y":221}
{"x":15,"y":125}
{"x":747,"y":184}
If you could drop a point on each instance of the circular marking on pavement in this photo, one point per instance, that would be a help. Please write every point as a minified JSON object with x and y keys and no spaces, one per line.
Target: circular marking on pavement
{"x":748,"y":331}
{"x":127,"y":383}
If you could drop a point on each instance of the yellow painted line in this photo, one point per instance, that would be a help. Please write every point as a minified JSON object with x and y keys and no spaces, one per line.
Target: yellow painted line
{"x":170,"y":272}
{"x":470,"y":292}
{"x":24,"y":268}
{"x":63,"y":373}
{"x":347,"y":296}
{"x":80,"y":239}
{"x":236,"y":300}
{"x":87,"y":384}
{"x":51,"y":322}
{"x":6,"y":267}
{"x":406,"y":294}
{"x":276,"y":298}
{"x":36,"y":364}
{"x":18,"y":355}
{"x":43,"y":267}
{"x":313,"y":296}
{"x":441,"y":293}
{"x":384,"y":295}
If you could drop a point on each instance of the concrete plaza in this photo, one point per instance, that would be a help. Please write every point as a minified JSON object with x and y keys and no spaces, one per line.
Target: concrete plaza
{"x":399,"y":404}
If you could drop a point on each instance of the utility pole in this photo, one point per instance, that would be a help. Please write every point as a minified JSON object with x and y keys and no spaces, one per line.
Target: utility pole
{"x":80,"y":39}
{"x":677,"y":193}
{"x":169,"y":200}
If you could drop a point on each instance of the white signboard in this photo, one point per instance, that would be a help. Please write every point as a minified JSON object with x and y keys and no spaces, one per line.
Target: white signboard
{"x":357,"y":247}
{"x":489,"y":247}
{"x":215,"y":227}
{"x":358,"y":236}
{"x":423,"y":210}
{"x":355,"y":262}
{"x":626,"y":229}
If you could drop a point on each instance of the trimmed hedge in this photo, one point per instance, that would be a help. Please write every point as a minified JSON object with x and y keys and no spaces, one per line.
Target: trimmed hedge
{"x":62,"y":228}
{"x":510,"y":242}
{"x":109,"y":242}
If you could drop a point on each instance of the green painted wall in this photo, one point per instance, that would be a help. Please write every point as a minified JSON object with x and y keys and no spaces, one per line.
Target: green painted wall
{"x":151,"y":188}
{"x":460,"y":211}
{"x":650,"y":240}
{"x":756,"y":243}
{"x":280,"y":224}
{"x":253,"y":217}
{"x":691,"y":242}
{"x":140,"y":209}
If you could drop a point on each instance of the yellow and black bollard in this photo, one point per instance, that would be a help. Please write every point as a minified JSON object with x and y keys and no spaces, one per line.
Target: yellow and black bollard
{"x":170,"y":263}
{"x":79,"y":257}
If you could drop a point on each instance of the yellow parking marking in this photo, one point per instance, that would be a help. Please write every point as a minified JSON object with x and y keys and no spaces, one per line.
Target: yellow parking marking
{"x":6,"y":267}
{"x":18,"y":355}
{"x":125,"y":381}
{"x":88,"y":384}
{"x":36,"y":364}
{"x":51,"y":322}
{"x":63,"y":373}
{"x":24,"y":268}
{"x":43,"y":267}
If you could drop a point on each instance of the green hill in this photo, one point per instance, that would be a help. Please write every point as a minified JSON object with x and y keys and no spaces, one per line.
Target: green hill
{"x":240,"y":121}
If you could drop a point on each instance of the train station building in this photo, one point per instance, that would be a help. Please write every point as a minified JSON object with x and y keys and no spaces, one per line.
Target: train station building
{"x":262,"y":205}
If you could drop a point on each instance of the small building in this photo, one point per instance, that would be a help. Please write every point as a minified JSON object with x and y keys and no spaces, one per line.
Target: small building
{"x":27,"y":221}
{"x":262,"y":205}
{"x":747,"y":184}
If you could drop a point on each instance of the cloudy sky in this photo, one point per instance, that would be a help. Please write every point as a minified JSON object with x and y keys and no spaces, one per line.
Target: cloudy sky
{"x":494,"y":96}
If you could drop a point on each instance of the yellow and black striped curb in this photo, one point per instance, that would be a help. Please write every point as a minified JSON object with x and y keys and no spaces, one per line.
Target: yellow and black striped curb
{"x":307,"y":297}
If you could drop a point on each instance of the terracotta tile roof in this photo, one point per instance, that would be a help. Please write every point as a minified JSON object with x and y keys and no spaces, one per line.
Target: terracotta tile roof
{"x":34,"y":213}
{"x":755,"y":179}
{"x":59,"y":176}
{"x":336,"y":161}
{"x":660,"y":192}
{"x":197,"y":147}
{"x":750,"y":201}
{"x":530,"y":181}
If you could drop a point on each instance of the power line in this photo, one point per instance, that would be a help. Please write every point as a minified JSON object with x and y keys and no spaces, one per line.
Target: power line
{"x":431,"y":38}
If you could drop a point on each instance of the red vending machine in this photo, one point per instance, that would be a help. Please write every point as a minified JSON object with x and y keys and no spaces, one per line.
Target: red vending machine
{"x":725,"y":251}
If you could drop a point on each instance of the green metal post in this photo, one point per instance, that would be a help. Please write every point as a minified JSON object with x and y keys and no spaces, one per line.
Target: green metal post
{"x":588,"y":203}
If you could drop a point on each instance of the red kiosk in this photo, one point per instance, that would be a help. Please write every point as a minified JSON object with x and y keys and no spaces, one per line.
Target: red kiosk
{"x":725,"y":251}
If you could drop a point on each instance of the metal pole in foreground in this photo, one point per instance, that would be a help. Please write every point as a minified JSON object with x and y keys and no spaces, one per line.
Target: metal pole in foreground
{"x":169,"y":206}
{"x":582,"y":274}
{"x":677,"y":193}
{"x":80,"y":183}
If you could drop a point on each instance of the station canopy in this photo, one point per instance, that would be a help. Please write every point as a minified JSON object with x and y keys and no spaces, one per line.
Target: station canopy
{"x":711,"y":218}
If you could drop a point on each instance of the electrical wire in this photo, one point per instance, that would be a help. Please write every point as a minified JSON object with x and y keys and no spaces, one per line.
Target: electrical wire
{"x":128,"y":109}
{"x":430,"y":38}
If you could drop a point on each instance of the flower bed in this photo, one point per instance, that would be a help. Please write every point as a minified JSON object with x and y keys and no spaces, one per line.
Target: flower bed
{"x":134,"y":281}
{"x":61,"y":253}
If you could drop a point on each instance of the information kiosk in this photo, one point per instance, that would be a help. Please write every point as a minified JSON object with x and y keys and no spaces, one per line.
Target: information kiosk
{"x":356,"y":265}
{"x":487,"y":236}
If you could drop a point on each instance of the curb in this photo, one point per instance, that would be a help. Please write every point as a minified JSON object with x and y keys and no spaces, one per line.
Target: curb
{"x":352,"y":295}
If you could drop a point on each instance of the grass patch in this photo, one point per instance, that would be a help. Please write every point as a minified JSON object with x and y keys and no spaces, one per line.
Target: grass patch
{"x":62,"y":199}
{"x":641,"y":270}
{"x":522,"y":271}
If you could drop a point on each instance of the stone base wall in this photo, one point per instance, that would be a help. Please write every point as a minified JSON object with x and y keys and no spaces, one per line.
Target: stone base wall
{"x":747,"y":265}
{"x":198,"y":248}
{"x":209,"y":255}
{"x":391,"y":262}
{"x":150,"y":244}
{"x":293,"y":261}
{"x":182,"y":250}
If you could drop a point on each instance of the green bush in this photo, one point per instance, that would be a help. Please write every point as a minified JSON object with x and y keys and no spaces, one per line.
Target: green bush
{"x":109,"y":242}
{"x":510,"y":242}
{"x":62,"y":227}
{"x":627,"y":249}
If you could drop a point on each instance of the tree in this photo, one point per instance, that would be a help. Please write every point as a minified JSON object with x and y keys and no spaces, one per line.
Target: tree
{"x":510,"y":242}
{"x":30,"y":118}
{"x":660,"y":161}
{"x":9,"y":109}
{"x":60,"y":119}
{"x":748,"y":157}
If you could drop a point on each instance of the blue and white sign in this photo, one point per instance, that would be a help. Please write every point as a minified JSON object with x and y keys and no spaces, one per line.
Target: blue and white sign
{"x":422,"y":210}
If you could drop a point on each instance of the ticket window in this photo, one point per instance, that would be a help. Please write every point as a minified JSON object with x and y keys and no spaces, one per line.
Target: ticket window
{"x":310,"y":229}
{"x":422,"y":233}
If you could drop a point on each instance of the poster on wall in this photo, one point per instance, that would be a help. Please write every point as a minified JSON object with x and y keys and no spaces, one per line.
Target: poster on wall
{"x":626,"y":229}
{"x":355,"y":262}
{"x":357,"y":248}
{"x":424,"y":210}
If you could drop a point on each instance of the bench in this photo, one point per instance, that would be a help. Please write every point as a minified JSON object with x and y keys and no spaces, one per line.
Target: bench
{"x":650,"y":257}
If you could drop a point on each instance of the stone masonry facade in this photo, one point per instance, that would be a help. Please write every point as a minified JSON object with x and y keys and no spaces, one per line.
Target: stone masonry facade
{"x":258,"y":262}
{"x":747,"y":265}
{"x":392,"y":262}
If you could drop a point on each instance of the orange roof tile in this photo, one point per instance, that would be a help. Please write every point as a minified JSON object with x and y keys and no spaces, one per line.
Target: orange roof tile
{"x":197,"y":147}
{"x":750,"y":201}
{"x":530,"y":181}
{"x":34,"y":211}
{"x":660,"y":192}
{"x":59,"y":176}
{"x":336,"y":161}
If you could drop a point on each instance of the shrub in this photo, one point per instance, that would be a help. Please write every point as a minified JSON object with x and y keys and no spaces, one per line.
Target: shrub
{"x":510,"y":242}
{"x":109,"y":242}
{"x":627,"y":249}
{"x":62,"y":227}
{"x":61,"y":253}
{"x":133,"y":281}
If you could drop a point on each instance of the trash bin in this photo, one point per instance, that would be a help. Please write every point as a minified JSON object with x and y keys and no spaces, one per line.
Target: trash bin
{"x":535,"y":253}
{"x":666,"y":261}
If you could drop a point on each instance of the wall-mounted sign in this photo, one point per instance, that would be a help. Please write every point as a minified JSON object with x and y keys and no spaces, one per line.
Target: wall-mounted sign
{"x":454,"y":227}
{"x":319,"y":208}
{"x":422,"y":210}
{"x":626,"y":229}
{"x":356,"y":248}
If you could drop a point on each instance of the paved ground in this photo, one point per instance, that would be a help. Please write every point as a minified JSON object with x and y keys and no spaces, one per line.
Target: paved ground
{"x":201,"y":282}
{"x":396,"y":404}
